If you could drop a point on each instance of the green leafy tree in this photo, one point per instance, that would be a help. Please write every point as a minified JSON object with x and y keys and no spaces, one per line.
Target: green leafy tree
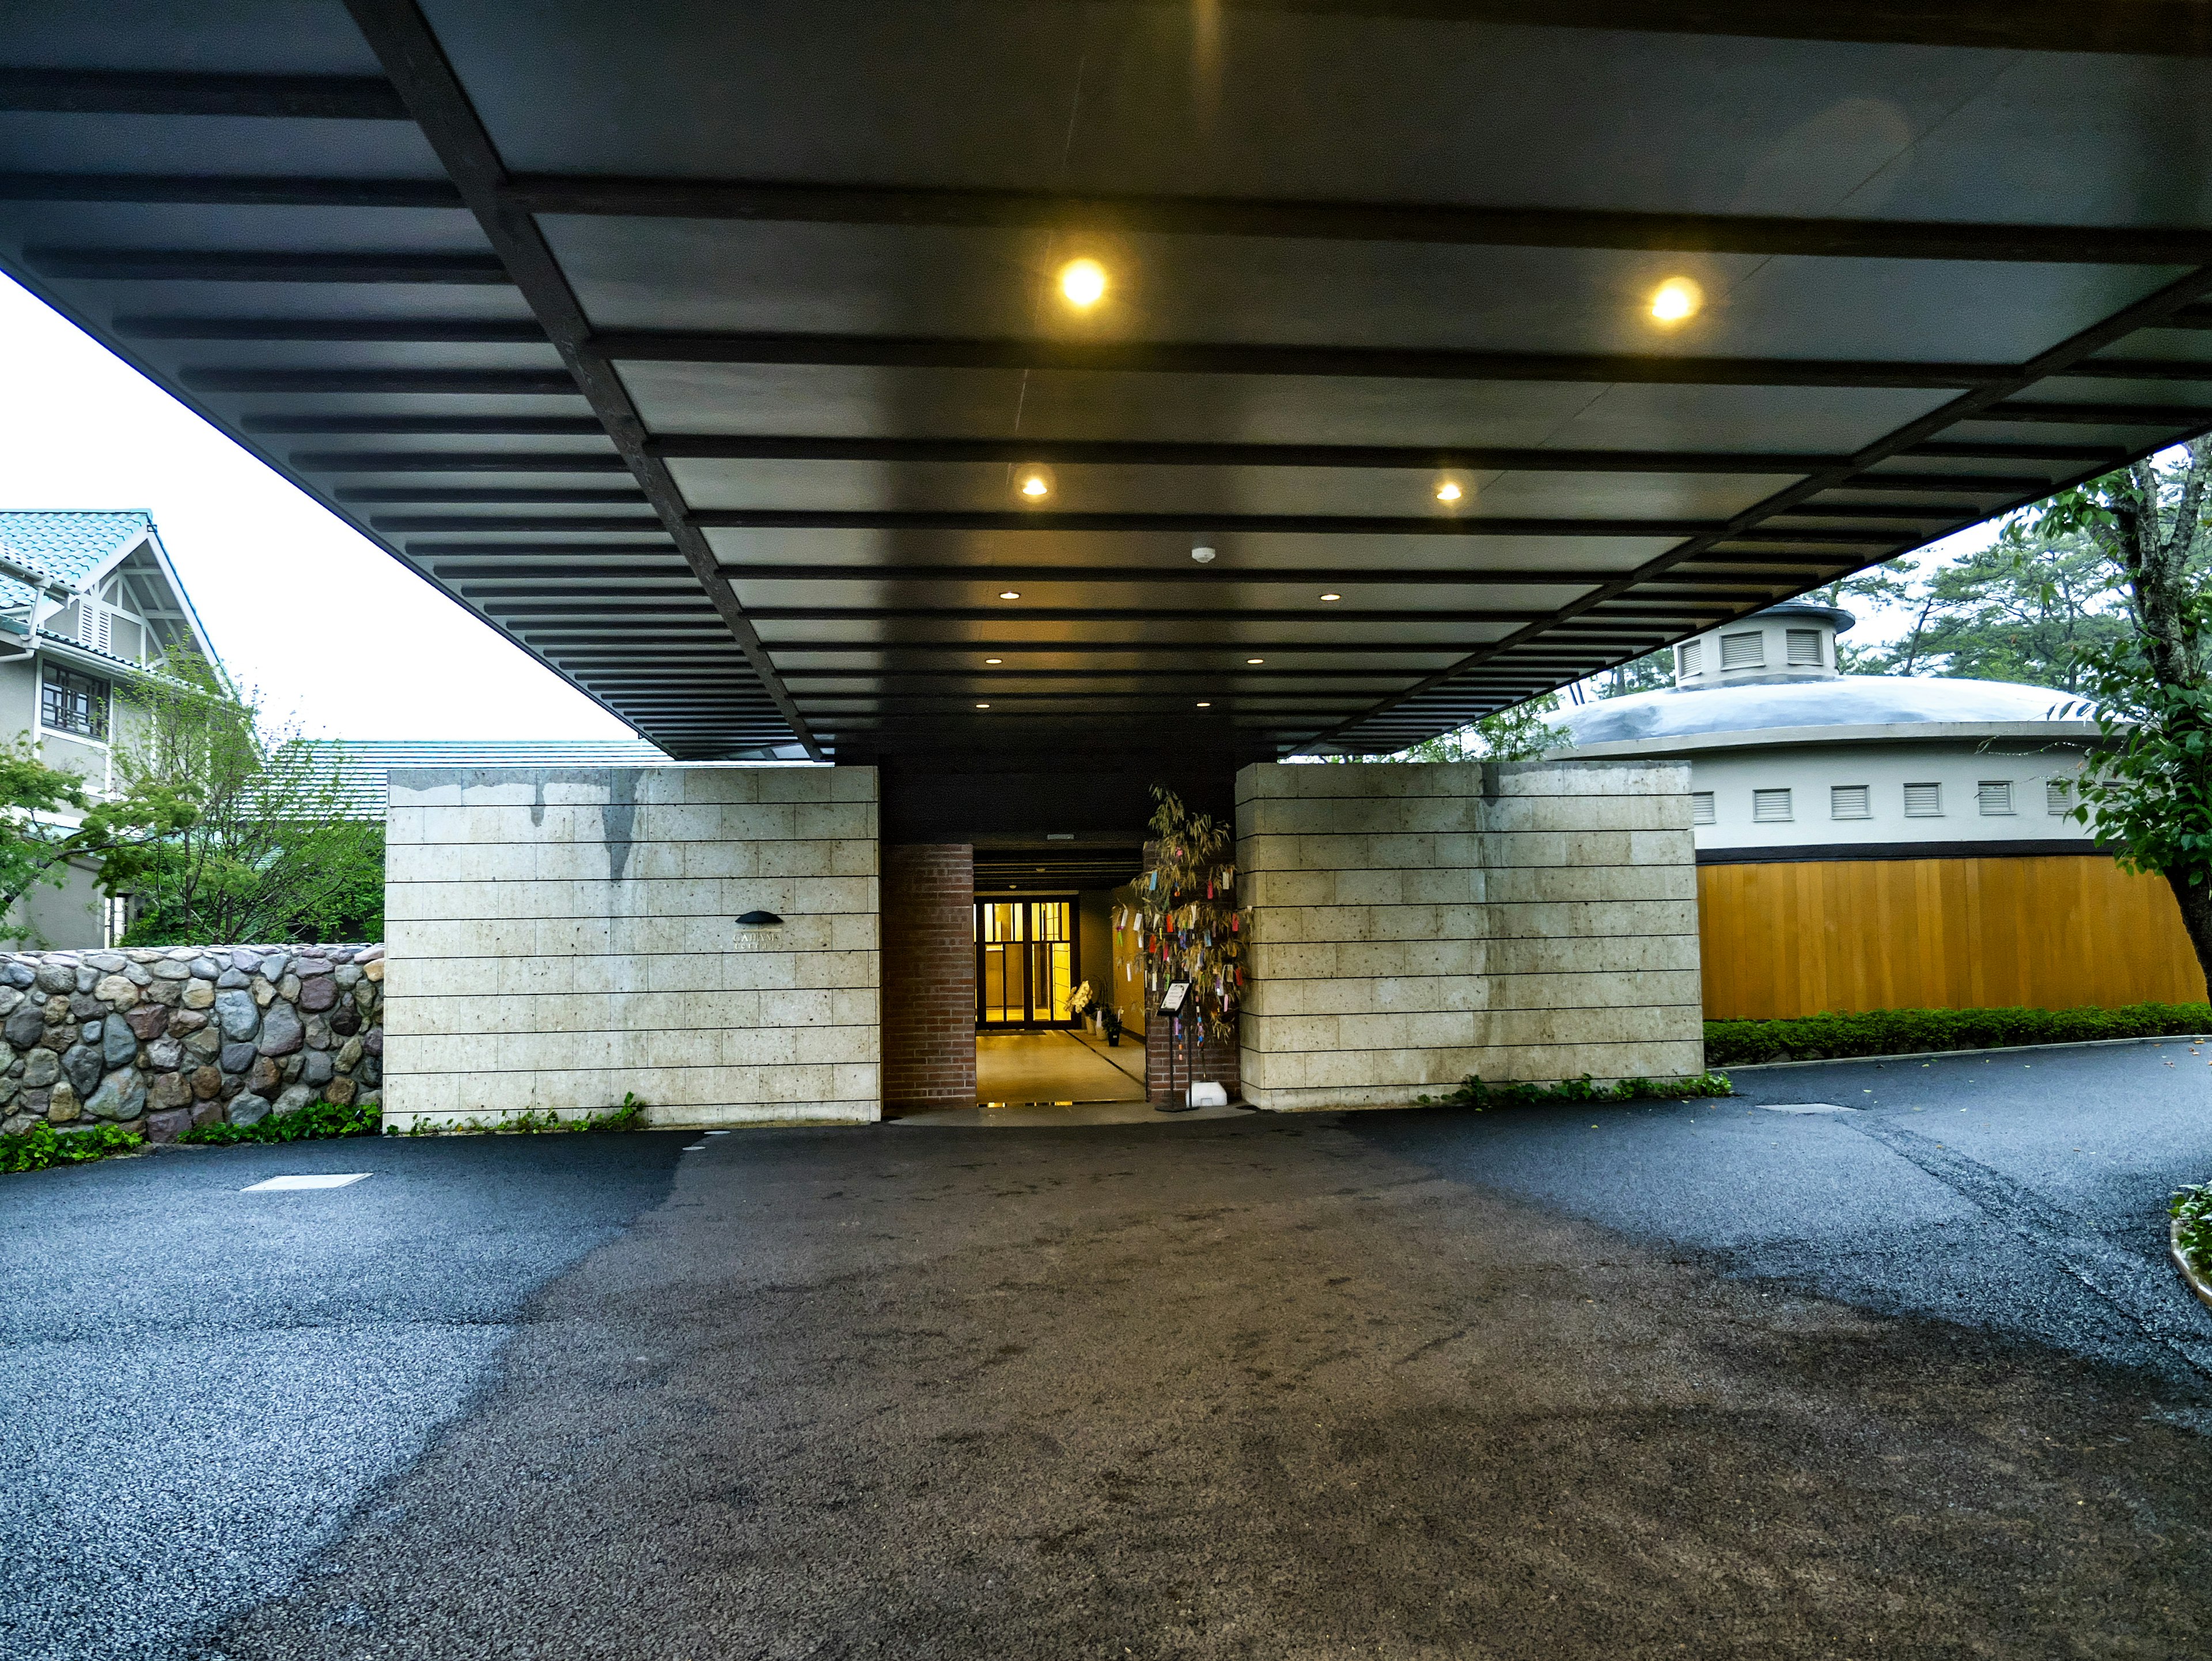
{"x":271,"y":852}
{"x":38,"y":840}
{"x":1648,"y":674}
{"x":2150,"y":689}
{"x":2026,"y":608}
{"x":1518,"y":733}
{"x":1189,"y":927}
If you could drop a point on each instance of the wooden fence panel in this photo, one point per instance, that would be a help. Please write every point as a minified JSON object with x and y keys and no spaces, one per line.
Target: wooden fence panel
{"x":2055,"y":933}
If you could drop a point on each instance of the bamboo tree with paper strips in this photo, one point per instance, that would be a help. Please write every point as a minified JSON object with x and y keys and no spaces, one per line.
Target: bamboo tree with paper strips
{"x":1187,"y":923}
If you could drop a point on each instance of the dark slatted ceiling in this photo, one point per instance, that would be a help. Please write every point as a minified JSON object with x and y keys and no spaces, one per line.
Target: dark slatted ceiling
{"x":734,"y":449}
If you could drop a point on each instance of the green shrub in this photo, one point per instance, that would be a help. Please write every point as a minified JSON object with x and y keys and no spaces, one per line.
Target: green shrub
{"x":1903,"y":1032}
{"x":2191,"y":1208}
{"x":630,"y":1115}
{"x":308,"y":1123}
{"x":42,"y":1145}
{"x":1478,"y":1095}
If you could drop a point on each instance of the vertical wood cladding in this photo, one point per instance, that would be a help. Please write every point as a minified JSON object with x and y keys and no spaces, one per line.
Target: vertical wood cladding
{"x":929,"y":975}
{"x":2043,"y":932}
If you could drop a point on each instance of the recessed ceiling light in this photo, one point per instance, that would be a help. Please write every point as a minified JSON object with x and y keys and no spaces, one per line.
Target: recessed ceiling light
{"x":1010,"y":594}
{"x":995,"y":660}
{"x":1082,"y":282}
{"x":1034,"y":485}
{"x":1255,"y":660}
{"x":982,"y":706}
{"x":1447,"y":492}
{"x":1332,"y":596}
{"x":1203,"y":704}
{"x":1675,"y":298}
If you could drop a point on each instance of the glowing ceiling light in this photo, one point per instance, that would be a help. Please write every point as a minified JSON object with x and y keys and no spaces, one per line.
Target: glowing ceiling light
{"x":1332,"y":596}
{"x":995,"y":660}
{"x":1675,"y":298}
{"x":1033,"y":485}
{"x":982,"y":706}
{"x":1082,"y":282}
{"x":1010,"y":594}
{"x":1203,"y":704}
{"x":1255,"y":660}
{"x":1447,"y":492}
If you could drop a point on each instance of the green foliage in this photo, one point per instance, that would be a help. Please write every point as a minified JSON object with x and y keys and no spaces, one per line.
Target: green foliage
{"x":37,"y":801}
{"x":1647,"y":673}
{"x":1478,"y":1095}
{"x":630,"y":1115}
{"x":270,"y":853}
{"x":309,"y":1123}
{"x":2191,"y":1208}
{"x":42,"y":1145}
{"x":1908,"y":1031}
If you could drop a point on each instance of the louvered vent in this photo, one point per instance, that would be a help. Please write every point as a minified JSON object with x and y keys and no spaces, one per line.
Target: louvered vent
{"x":1746,"y":651}
{"x":1689,"y":661}
{"x":1701,"y":807}
{"x":1924,"y":801}
{"x":1804,"y":648}
{"x":1769,"y":807}
{"x":1851,"y":802}
{"x":1995,"y":797}
{"x":2057,"y":796}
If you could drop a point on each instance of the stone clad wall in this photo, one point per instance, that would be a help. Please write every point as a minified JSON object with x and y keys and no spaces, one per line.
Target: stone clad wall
{"x":159,"y":1040}
{"x":1413,"y":924}
{"x":562,"y":937}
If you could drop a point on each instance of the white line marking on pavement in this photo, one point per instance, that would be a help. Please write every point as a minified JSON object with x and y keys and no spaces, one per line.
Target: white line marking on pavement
{"x":279,"y":1184}
{"x":1806,"y":1107}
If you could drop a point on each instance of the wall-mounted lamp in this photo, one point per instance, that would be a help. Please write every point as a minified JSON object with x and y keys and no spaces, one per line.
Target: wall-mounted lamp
{"x":760,"y":920}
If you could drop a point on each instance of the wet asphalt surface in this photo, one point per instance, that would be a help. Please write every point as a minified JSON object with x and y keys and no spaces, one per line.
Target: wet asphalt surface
{"x":1686,"y":1379}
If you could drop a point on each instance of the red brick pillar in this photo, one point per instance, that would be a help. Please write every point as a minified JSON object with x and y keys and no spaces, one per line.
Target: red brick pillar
{"x":929,"y":976}
{"x":1217,"y":1062}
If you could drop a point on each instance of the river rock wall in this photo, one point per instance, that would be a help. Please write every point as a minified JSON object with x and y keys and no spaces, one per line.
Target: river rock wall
{"x":159,"y":1040}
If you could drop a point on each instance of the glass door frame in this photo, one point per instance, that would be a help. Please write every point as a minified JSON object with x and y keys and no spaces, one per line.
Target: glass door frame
{"x":1038,"y":974}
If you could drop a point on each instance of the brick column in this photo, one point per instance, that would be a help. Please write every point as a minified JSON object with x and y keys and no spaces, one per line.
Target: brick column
{"x":1217,"y":1062}
{"x":929,"y":975}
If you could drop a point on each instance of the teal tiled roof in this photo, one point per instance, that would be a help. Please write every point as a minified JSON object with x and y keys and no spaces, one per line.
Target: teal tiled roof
{"x":69,"y":546}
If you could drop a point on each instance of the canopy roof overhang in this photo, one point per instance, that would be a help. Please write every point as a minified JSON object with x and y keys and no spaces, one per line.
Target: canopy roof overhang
{"x":701,"y":348}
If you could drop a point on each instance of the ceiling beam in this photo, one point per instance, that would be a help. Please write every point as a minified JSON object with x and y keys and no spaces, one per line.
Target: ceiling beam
{"x":429,"y":331}
{"x":1200,"y":575}
{"x":1430,"y":525}
{"x":1216,"y":357}
{"x":463,"y":383}
{"x":518,"y":496}
{"x":218,"y":190}
{"x":264,"y":265}
{"x":801,"y":203}
{"x":2099,"y":415}
{"x":434,"y":461}
{"x":117,"y":92}
{"x":409,"y":51}
{"x":509,"y":425}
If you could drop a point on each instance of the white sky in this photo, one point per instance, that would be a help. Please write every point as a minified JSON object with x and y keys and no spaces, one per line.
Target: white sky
{"x":335,"y":634}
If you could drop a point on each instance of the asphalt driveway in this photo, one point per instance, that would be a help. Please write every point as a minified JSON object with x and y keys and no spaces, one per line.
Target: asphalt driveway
{"x":1707,"y":1379}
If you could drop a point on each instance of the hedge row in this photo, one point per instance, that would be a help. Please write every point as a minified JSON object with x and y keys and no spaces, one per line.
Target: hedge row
{"x":1902,"y":1032}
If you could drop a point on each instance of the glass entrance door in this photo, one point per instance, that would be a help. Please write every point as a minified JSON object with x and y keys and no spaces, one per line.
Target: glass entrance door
{"x":1025,"y":963}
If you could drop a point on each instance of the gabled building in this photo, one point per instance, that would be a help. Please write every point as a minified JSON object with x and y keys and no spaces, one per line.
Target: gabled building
{"x":87,"y":600}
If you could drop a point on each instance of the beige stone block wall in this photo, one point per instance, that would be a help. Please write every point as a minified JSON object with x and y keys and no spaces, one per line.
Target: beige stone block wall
{"x":1413,"y":924}
{"x":558,"y":937}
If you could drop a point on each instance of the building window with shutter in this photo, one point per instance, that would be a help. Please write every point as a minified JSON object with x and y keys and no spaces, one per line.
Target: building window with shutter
{"x":1803,"y":646}
{"x":1769,"y":807}
{"x":1924,"y":801}
{"x":1995,"y":797}
{"x":1687,"y":658}
{"x":1701,"y":807}
{"x":1851,"y":802}
{"x":1744,"y":651}
{"x":71,"y":702}
{"x":2057,"y":796}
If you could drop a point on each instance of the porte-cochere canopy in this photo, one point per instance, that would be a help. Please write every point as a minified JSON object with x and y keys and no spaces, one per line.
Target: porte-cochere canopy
{"x":860,"y":377}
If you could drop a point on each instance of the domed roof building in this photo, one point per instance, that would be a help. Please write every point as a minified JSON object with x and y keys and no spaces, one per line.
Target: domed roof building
{"x":1869,"y":841}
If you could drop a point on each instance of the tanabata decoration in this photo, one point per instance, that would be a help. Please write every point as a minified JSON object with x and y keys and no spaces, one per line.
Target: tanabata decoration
{"x":1188,"y":927}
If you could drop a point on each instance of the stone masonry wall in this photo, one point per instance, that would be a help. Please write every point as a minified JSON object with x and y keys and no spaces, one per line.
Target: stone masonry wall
{"x":929,"y":975}
{"x":160,"y":1040}
{"x":1413,"y":924}
{"x":562,"y":937}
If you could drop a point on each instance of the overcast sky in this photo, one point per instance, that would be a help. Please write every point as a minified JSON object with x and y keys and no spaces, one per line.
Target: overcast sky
{"x":336,"y":633}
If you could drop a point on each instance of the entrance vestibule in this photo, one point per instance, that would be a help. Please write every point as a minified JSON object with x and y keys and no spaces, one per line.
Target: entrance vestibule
{"x":1025,"y":963}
